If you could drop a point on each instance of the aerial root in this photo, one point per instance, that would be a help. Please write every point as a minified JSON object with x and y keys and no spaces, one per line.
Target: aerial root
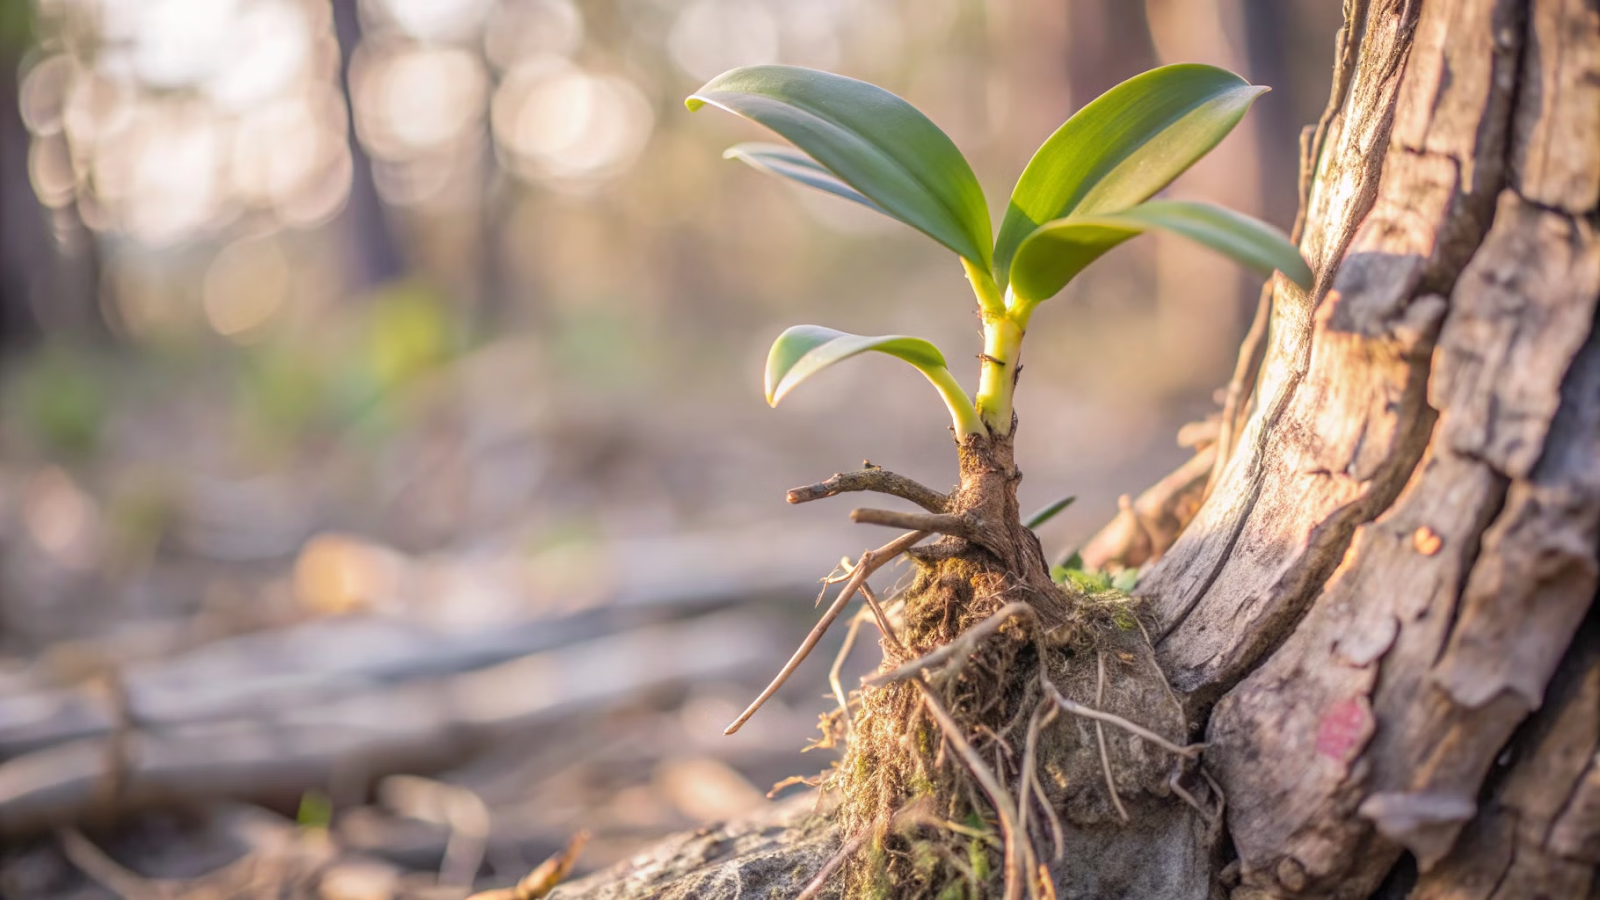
{"x":876,"y":480}
{"x":1100,"y":736}
{"x":885,"y":626}
{"x":1066,"y":705}
{"x":1043,"y":715}
{"x":820,"y":880}
{"x":870,"y":562}
{"x":838,"y":664}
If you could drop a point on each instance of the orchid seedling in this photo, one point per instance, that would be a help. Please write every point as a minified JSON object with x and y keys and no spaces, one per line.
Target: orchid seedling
{"x":953,"y":680}
{"x":1086,"y":190}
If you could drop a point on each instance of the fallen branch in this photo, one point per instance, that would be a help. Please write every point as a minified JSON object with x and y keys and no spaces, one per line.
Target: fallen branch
{"x":105,"y":871}
{"x":319,"y":725}
{"x":877,"y":481}
{"x":870,"y":562}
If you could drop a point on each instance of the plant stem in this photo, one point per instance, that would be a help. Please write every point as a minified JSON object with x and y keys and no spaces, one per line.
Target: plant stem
{"x":990,"y":300}
{"x":962,"y":414}
{"x":1002,"y":345}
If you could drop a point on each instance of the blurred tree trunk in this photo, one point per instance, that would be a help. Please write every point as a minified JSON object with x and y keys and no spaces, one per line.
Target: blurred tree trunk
{"x":49,"y":259}
{"x":22,"y":224}
{"x":1382,"y":617}
{"x":376,"y":257}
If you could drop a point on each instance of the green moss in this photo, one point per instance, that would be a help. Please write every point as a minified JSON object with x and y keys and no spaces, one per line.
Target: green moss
{"x":978,"y":858}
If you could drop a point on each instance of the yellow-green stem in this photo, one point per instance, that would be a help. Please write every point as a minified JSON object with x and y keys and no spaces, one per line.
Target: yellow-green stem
{"x":1002,"y":346}
{"x":990,"y":300}
{"x":962,"y":413}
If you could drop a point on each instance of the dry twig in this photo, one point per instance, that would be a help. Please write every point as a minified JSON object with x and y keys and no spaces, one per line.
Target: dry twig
{"x":938,"y":523}
{"x":105,"y":871}
{"x":543,"y":879}
{"x":870,"y":562}
{"x":876,"y":480}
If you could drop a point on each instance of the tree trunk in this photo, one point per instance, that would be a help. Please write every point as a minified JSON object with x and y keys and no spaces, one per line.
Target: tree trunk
{"x":1381,"y":618}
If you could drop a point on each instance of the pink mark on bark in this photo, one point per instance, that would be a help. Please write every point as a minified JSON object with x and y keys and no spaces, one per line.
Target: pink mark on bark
{"x":1344,"y":729}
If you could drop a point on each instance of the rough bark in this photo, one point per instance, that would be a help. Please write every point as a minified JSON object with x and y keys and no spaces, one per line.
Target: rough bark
{"x":1402,"y":547}
{"x":1376,"y":617}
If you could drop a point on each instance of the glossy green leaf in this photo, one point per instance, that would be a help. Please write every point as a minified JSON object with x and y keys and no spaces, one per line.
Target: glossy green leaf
{"x":805,"y":350}
{"x":873,"y":141}
{"x":787,"y":162}
{"x":1057,"y":251}
{"x":1124,"y":147}
{"x":1049,"y":512}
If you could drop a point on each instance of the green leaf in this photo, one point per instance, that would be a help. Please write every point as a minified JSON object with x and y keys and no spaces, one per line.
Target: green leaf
{"x":787,"y":162}
{"x":873,"y":141}
{"x":1049,"y":512}
{"x":1126,"y":580}
{"x":1057,"y":251}
{"x":1124,"y":147}
{"x":805,"y":350}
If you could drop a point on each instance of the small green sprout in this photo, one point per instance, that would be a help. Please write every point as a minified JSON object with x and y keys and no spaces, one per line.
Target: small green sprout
{"x":1086,"y":190}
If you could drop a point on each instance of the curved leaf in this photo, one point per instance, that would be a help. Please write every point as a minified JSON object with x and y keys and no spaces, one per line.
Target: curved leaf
{"x":1049,"y":512}
{"x":1123,"y":147}
{"x":872,"y":140}
{"x":1057,"y":251}
{"x":787,"y":162}
{"x":805,"y":350}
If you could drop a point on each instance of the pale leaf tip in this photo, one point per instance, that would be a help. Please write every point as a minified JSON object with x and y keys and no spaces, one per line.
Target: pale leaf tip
{"x":693,"y":102}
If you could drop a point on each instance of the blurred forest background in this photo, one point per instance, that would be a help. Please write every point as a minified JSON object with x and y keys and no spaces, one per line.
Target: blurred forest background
{"x":371,"y":347}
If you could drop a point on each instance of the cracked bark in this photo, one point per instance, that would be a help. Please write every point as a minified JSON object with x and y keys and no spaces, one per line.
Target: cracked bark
{"x":1382,"y":616}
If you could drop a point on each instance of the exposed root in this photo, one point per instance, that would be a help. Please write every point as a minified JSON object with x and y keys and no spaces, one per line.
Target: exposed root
{"x":875,"y":480}
{"x":1043,"y":715}
{"x":961,"y":775}
{"x":885,"y":627}
{"x":1100,"y":737}
{"x":1016,"y":866}
{"x":820,"y":881}
{"x":838,"y":664}
{"x":1190,"y":752}
{"x":870,"y":562}
{"x":959,"y":649}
